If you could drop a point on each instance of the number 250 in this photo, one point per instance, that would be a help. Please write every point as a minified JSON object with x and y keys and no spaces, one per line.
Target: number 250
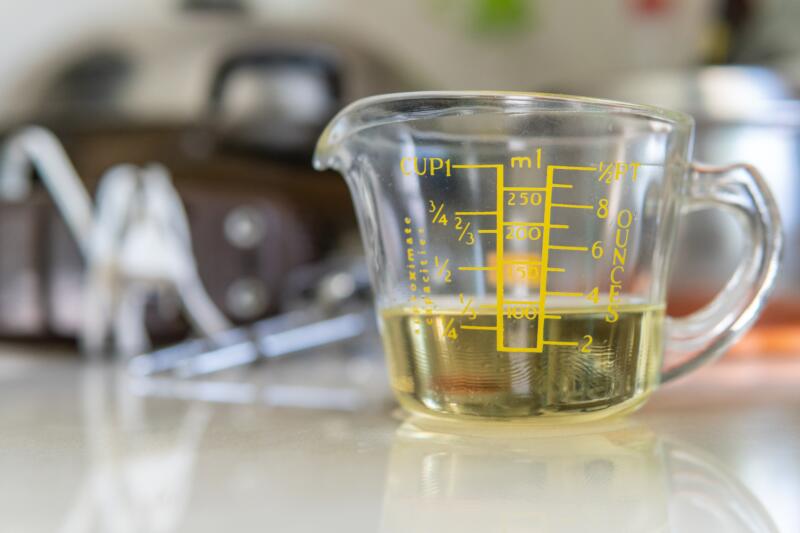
{"x":525,"y":198}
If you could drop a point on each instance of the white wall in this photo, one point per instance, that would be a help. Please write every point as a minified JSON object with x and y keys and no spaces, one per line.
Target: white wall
{"x":568,"y":39}
{"x":31,"y":30}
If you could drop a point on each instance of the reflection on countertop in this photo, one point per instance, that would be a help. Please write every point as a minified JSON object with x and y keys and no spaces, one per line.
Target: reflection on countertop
{"x":83,"y":449}
{"x":605,"y":478}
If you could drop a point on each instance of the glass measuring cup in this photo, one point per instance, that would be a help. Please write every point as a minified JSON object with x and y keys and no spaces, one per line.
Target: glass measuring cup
{"x":519,"y":248}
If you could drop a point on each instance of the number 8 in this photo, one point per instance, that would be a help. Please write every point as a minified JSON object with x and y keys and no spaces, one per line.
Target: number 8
{"x":602,"y":208}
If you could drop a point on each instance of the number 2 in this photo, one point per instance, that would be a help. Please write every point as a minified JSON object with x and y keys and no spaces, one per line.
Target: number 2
{"x":587,"y":342}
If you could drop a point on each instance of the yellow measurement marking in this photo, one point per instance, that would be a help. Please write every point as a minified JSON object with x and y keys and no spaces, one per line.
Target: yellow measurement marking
{"x":569,"y":248}
{"x":441,"y":269}
{"x":560,"y":343}
{"x":471,"y":213}
{"x":464,"y":231}
{"x":467,"y":306}
{"x":573,"y":206}
{"x":546,"y":225}
{"x":548,"y":208}
{"x":512,"y":223}
{"x":480,"y":328}
{"x":476,"y":268}
{"x":522,"y":262}
{"x":438,"y":214}
{"x":500,"y":185}
{"x":567,"y":167}
{"x":487,"y":306}
{"x":570,"y":294}
{"x":487,"y":231}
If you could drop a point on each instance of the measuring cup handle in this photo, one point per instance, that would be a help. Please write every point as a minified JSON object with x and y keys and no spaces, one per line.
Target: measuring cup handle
{"x":704,"y":335}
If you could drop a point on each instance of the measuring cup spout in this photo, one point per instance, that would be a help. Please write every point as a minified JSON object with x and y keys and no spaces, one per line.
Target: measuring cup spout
{"x":328,"y":152}
{"x":333,"y":147}
{"x":357,"y":128}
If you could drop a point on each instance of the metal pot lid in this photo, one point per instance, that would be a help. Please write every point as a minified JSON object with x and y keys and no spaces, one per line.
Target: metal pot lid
{"x":246,"y":78}
{"x":717,"y":94}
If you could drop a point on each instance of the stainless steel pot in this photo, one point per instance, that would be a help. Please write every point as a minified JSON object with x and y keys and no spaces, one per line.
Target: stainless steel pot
{"x":743,"y":114}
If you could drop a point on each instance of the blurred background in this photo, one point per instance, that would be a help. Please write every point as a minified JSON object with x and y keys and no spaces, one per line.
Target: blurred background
{"x":158,"y":207}
{"x":228,"y":96}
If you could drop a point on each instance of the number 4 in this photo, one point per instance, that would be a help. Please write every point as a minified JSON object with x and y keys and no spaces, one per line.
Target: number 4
{"x":594,"y":295}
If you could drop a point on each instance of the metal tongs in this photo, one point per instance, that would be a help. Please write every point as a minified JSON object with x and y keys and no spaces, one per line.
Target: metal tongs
{"x":340,"y":311}
{"x":135,"y":239}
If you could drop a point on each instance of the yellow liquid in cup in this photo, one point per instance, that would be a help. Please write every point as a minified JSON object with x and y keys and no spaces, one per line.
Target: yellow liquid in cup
{"x":435,"y":374}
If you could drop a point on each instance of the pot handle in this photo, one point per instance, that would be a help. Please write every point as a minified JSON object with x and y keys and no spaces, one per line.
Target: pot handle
{"x":704,"y":335}
{"x":323,"y":63}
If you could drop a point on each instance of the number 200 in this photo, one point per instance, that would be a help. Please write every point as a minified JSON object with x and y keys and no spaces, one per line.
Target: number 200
{"x":522,"y":233}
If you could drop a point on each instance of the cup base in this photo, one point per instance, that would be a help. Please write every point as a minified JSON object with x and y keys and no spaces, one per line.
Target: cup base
{"x":420,"y":411}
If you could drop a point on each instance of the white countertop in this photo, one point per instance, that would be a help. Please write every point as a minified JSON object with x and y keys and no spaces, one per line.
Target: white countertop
{"x":84,"y":449}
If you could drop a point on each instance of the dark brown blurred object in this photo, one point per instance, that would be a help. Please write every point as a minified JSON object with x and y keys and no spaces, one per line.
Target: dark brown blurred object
{"x":729,"y":33}
{"x":232,"y":110}
{"x":252,"y":221}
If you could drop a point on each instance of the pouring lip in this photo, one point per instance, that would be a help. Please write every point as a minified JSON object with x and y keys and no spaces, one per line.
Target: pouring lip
{"x":350,"y":119}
